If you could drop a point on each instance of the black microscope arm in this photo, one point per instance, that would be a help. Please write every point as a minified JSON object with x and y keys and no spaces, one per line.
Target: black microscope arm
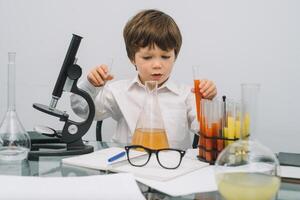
{"x":72,"y":130}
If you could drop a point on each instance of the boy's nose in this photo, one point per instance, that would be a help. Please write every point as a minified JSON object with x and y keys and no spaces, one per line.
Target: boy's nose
{"x":157,"y":64}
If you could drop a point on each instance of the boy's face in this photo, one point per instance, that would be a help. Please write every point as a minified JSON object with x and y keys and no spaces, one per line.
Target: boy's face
{"x":154,"y":64}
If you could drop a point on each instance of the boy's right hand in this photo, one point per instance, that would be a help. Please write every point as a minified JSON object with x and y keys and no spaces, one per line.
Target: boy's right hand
{"x":99,"y":75}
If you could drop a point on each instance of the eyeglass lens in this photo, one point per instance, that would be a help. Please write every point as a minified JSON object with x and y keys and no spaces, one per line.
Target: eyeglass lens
{"x":169,"y":158}
{"x":140,"y":160}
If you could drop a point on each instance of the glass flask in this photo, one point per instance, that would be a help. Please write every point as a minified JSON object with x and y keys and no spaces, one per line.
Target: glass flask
{"x":14,"y":140}
{"x":246,"y":169}
{"x":150,"y":131}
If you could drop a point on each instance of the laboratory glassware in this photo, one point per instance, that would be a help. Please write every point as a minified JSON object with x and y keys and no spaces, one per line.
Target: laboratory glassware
{"x":104,"y":87}
{"x":246,"y":169}
{"x":14,"y":140}
{"x":150,"y":130}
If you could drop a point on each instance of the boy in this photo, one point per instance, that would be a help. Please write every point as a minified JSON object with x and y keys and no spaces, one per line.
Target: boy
{"x":153,"y":41}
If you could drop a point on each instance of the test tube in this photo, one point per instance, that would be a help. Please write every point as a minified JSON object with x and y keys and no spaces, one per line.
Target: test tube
{"x":249,"y":109}
{"x":202,"y":129}
{"x":216,"y":124}
{"x":221,"y":115}
{"x":201,"y":141}
{"x":208,"y":131}
{"x":196,"y":74}
{"x":230,"y":125}
{"x":101,"y":97}
{"x":238,"y":120}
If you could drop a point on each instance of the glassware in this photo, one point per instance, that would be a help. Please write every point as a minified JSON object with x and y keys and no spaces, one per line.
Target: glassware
{"x":150,"y":130}
{"x":101,"y":106}
{"x":198,"y":97}
{"x":14,"y":140}
{"x":21,"y":168}
{"x":211,"y":139}
{"x":246,"y":169}
{"x":167,"y":158}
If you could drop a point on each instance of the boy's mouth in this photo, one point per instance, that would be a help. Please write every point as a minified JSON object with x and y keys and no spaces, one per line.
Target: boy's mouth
{"x":156,"y":76}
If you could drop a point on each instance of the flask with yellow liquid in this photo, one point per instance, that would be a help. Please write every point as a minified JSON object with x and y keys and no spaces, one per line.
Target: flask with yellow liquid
{"x":246,"y":169}
{"x":150,"y":131}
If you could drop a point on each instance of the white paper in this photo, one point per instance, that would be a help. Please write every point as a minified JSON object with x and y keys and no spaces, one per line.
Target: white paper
{"x":98,"y":160}
{"x":290,"y":172}
{"x":201,"y":180}
{"x":152,"y":170}
{"x":108,"y":187}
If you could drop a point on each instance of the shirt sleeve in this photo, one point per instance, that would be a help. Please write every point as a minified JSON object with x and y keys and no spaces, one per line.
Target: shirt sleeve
{"x":192,"y":113}
{"x":78,"y":104}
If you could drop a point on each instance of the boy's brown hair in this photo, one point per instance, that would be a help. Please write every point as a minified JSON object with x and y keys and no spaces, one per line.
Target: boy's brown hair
{"x":149,"y":28}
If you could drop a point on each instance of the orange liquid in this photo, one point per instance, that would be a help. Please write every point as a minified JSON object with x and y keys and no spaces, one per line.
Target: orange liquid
{"x":201,"y":141}
{"x":198,"y":98}
{"x":215,"y":132}
{"x":201,"y":138}
{"x":208,"y":144}
{"x":151,"y":138}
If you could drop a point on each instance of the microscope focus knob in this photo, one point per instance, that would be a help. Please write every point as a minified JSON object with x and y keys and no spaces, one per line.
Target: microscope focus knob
{"x":74,"y":72}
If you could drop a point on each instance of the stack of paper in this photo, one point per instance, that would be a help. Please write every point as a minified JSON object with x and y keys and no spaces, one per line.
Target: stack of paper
{"x":113,"y":186}
{"x":193,"y":176}
{"x":201,"y":180}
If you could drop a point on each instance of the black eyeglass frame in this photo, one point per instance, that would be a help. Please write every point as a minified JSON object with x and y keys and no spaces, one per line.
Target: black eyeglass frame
{"x":156,"y":151}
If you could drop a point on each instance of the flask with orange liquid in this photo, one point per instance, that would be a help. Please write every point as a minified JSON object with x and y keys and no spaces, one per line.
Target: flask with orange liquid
{"x":150,"y":131}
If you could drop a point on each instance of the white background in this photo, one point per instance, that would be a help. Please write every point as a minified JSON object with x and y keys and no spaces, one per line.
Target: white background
{"x":233,"y":41}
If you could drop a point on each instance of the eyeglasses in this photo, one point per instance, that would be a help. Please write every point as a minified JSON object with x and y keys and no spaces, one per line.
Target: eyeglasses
{"x":167,"y":158}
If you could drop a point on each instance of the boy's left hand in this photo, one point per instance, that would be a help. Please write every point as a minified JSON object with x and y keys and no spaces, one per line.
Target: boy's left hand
{"x":208,"y":89}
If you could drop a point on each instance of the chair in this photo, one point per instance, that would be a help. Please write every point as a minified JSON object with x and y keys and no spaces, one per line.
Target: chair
{"x":99,"y":131}
{"x":195,"y":141}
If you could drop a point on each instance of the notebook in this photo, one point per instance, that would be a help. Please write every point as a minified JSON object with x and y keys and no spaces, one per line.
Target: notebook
{"x":289,"y":159}
{"x":99,"y":160}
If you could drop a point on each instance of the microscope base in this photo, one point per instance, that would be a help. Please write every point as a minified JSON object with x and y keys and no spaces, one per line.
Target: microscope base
{"x":57,"y":150}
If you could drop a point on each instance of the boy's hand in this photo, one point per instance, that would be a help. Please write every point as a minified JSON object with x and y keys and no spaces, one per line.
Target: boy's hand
{"x":208,"y":89}
{"x":99,"y":75}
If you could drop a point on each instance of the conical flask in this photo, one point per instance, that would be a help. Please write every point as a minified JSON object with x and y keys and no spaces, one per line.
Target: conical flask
{"x":150,"y":131}
{"x":14,"y":140}
{"x":246,"y":169}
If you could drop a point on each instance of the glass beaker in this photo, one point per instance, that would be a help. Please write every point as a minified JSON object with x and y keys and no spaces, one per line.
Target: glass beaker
{"x":14,"y":140}
{"x":210,"y":141}
{"x":246,"y":169}
{"x":150,"y":130}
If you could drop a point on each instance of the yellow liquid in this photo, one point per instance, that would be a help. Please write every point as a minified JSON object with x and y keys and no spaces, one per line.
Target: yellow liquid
{"x":151,"y":138}
{"x":248,"y":186}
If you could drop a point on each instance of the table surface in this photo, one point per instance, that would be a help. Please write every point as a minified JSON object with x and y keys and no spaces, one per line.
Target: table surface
{"x":52,"y":167}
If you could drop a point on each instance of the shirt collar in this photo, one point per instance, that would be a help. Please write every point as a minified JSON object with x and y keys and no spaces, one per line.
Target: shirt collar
{"x":169,"y":85}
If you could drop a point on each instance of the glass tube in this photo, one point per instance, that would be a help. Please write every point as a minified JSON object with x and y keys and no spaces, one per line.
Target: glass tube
{"x":14,"y":140}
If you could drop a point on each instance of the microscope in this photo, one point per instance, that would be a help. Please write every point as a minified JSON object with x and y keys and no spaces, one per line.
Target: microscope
{"x":70,"y":137}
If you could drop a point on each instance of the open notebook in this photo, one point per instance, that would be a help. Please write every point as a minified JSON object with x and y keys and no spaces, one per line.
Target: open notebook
{"x":99,"y":160}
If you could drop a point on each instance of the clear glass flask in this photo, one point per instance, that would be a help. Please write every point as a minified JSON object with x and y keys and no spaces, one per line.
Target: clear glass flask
{"x":14,"y":140}
{"x":246,"y":169}
{"x":150,"y":131}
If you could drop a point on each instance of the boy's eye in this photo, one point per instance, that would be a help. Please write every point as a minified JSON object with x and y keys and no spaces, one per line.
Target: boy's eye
{"x":146,"y":57}
{"x":166,"y":57}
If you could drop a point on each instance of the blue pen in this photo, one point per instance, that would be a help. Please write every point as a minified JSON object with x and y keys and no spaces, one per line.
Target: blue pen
{"x":117,"y":156}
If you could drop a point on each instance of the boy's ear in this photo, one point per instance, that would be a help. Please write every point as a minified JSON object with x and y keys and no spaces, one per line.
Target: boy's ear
{"x":132,"y":61}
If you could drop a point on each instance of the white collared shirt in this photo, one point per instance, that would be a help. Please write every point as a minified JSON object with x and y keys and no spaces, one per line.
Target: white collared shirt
{"x":123,"y":101}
